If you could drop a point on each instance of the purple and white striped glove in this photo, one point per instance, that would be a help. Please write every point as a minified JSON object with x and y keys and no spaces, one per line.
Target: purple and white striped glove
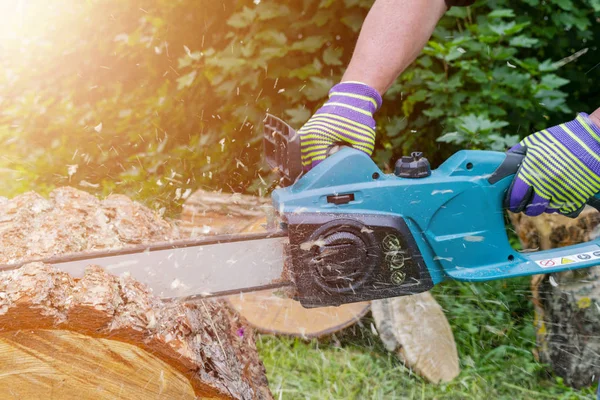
{"x":346,"y":118}
{"x":560,"y":171}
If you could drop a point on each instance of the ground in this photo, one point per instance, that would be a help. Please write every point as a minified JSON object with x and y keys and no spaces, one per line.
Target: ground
{"x":493,"y":326}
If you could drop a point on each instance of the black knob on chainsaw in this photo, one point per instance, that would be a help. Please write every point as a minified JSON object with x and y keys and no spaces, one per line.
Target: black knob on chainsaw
{"x":413,"y":166}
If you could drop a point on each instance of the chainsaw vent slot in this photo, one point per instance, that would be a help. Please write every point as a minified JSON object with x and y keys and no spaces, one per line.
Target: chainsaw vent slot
{"x":338,"y":199}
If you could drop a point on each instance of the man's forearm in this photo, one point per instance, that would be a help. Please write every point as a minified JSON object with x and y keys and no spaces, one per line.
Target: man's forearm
{"x":392,"y":36}
{"x":595,"y":117}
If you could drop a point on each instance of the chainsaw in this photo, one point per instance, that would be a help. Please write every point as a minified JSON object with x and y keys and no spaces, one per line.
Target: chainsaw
{"x":346,"y":232}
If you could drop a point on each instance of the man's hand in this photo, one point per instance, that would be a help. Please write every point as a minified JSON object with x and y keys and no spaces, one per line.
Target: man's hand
{"x":346,"y":118}
{"x":561,"y":168}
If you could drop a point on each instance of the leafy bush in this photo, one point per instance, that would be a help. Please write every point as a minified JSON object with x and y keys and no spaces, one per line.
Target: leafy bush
{"x":157,"y":99}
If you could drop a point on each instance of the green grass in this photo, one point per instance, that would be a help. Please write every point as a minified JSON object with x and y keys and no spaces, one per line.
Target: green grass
{"x":493,"y":327}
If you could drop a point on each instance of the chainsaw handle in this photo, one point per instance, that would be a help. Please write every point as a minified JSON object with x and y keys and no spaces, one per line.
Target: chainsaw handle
{"x":511,"y":165}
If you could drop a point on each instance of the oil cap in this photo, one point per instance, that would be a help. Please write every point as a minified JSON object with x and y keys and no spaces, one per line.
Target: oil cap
{"x":413,"y":166}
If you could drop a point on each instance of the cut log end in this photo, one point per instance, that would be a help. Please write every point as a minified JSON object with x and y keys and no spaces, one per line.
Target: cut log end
{"x":416,"y":328}
{"x":104,"y":334}
{"x":80,"y":366}
{"x":269,"y":312}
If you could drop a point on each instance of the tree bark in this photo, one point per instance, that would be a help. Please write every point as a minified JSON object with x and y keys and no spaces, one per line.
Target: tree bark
{"x":102,"y":336}
{"x":567,"y":304}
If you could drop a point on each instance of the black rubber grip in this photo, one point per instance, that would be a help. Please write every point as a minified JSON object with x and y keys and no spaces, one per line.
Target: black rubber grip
{"x":509,"y":166}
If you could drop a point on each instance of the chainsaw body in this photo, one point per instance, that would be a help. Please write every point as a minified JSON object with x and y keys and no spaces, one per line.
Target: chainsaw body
{"x":358,"y":234}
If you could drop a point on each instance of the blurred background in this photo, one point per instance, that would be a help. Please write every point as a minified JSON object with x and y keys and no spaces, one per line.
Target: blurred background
{"x":152,"y":98}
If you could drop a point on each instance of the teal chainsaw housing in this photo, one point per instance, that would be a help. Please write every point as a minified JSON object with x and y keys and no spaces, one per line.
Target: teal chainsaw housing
{"x":448,"y":225}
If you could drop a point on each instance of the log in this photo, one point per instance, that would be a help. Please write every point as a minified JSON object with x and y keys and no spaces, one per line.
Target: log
{"x":415,"y":328}
{"x":101,"y":336}
{"x":567,"y":304}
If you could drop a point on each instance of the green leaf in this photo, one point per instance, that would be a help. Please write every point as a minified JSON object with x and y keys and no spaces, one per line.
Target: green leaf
{"x":227,"y":63}
{"x":501,"y":28}
{"x":186,"y":80}
{"x":242,"y":19}
{"x":454,"y":54}
{"x":547,"y":65}
{"x":317,"y":88}
{"x":332,"y":55}
{"x":553,"y":81}
{"x":269,"y":10}
{"x":566,"y":5}
{"x":508,"y":28}
{"x":309,"y":44}
{"x":457,"y":12}
{"x":306,"y":71}
{"x":473,"y":124}
{"x":437,"y":46}
{"x":298,"y":116}
{"x":517,"y":28}
{"x":523,"y":41}
{"x":452,"y":137}
{"x":434,"y":113}
{"x":353,"y":21}
{"x":271,"y":37}
{"x":502,"y":13}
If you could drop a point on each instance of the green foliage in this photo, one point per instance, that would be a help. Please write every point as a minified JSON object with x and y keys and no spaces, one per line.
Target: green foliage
{"x":488,"y":78}
{"x":162,"y":97}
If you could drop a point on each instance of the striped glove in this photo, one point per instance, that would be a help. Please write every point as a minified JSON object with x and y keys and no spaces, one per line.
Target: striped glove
{"x":560,"y":171}
{"x":346,"y":118}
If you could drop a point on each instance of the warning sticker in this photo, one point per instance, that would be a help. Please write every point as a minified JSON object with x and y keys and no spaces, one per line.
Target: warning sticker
{"x":571,"y":259}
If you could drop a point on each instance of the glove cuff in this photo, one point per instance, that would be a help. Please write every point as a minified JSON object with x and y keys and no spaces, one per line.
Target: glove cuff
{"x":356,"y":94}
{"x":592,"y":125}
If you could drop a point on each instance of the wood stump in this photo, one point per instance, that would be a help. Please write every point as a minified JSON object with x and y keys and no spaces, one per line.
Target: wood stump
{"x":567,"y":304}
{"x":102,"y":336}
{"x":416,"y":329}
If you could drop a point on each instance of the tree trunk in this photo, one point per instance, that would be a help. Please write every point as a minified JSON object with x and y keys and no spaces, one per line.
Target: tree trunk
{"x":102,"y":336}
{"x":567,"y":304}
